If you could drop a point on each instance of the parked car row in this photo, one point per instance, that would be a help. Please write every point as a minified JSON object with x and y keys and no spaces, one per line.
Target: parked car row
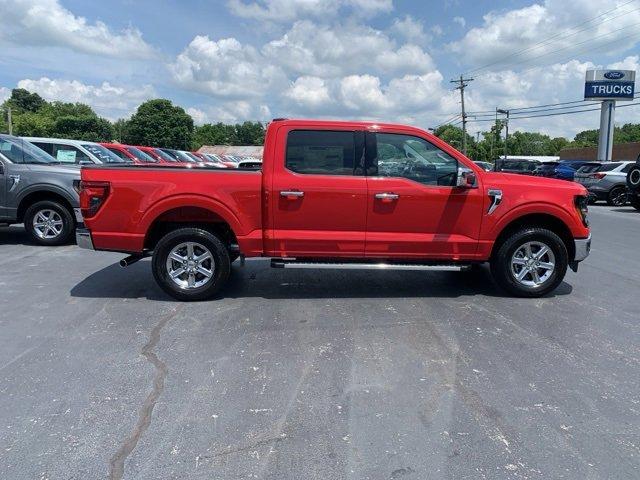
{"x":78,"y":152}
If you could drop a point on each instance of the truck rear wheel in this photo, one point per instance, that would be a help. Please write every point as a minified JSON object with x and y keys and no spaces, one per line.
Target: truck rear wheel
{"x":49,"y":223}
{"x":191,"y":264}
{"x":530,"y":262}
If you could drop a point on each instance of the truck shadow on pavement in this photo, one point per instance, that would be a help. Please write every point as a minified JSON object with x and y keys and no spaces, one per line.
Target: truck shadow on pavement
{"x":258,"y":280}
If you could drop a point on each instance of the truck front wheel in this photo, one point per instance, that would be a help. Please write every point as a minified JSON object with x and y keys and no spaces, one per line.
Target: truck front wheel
{"x":530,"y":262}
{"x":191,"y":264}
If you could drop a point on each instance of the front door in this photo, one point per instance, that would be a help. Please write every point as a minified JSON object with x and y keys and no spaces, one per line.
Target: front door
{"x":414,"y":208}
{"x":319,"y":194}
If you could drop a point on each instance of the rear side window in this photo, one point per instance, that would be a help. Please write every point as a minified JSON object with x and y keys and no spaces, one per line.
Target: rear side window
{"x":321,"y":152}
{"x":627,"y":167}
{"x":608,"y":167}
{"x":589,"y":168}
{"x":69,"y":154}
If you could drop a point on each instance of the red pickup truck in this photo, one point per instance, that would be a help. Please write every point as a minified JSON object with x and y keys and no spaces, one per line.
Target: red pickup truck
{"x":351,"y":195}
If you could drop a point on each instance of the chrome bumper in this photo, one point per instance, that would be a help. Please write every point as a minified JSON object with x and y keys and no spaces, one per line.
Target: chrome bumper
{"x":78,"y":215}
{"x":582,"y":248}
{"x":83,"y":238}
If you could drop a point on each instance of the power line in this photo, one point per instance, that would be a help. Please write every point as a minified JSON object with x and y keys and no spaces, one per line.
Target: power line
{"x":573,"y":46}
{"x":561,"y":34}
{"x":555,"y":114}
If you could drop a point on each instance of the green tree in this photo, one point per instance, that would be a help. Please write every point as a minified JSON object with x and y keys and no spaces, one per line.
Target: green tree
{"x":214,"y":134}
{"x":250,"y":133}
{"x":22,"y":100}
{"x":87,"y":127}
{"x":159,"y":123}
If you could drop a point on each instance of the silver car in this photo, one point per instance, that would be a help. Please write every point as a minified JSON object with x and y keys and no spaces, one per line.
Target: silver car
{"x":605,"y":181}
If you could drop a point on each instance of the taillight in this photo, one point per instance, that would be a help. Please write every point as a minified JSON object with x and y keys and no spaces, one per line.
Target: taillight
{"x":92,"y":196}
{"x":582,"y":205}
{"x":598,"y":176}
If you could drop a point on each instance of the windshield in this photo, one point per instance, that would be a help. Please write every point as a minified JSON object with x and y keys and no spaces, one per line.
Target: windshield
{"x":164,"y":155}
{"x":140,"y":155}
{"x":20,"y":151}
{"x":213,"y":158}
{"x":182,"y":156}
{"x":192,"y":157}
{"x":102,"y":154}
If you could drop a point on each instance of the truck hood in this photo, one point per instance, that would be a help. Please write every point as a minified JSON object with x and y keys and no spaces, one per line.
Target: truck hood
{"x":499,"y":179}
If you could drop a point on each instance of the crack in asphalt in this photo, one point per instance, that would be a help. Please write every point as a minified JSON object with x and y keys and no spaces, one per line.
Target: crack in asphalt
{"x":116,"y":464}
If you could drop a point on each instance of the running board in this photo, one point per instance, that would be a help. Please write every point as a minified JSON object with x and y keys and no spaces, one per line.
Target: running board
{"x":433,"y":267}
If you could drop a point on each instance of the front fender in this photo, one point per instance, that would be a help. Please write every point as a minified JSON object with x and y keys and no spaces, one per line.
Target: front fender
{"x":540,"y":208}
{"x":46,"y":187}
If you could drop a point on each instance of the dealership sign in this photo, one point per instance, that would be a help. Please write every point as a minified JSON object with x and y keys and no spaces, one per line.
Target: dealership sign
{"x":609,"y":85}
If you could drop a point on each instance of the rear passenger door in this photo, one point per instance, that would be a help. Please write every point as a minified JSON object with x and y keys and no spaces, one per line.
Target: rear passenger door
{"x":319,"y":193}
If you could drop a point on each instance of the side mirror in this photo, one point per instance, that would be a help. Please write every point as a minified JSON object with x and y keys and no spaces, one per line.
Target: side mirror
{"x":466,"y":178}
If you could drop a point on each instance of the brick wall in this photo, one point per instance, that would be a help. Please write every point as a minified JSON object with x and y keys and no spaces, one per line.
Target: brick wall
{"x":623,"y":151}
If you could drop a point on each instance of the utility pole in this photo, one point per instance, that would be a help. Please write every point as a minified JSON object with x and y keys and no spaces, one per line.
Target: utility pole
{"x":506,"y":135}
{"x":462,"y":84}
{"x":9,"y":120}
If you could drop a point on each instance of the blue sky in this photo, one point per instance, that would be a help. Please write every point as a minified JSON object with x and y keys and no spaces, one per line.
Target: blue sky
{"x":390,"y":60}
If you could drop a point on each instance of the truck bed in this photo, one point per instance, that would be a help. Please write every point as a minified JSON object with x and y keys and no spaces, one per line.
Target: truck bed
{"x":140,"y":197}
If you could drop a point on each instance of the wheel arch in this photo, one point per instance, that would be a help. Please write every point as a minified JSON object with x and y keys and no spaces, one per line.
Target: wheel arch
{"x":42,"y":194}
{"x":541,"y":220}
{"x":194,"y":212}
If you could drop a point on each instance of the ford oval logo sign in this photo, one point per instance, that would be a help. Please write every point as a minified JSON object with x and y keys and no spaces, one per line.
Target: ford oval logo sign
{"x":614,"y":75}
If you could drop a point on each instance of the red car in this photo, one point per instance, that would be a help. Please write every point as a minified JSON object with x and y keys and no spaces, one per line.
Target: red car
{"x":349,"y":195}
{"x":157,"y":154}
{"x":130,"y":153}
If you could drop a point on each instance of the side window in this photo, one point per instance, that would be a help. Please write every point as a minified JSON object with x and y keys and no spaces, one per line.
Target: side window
{"x":413,"y":158}
{"x":47,"y":147}
{"x":321,"y":152}
{"x":69,"y":154}
{"x":627,"y":168}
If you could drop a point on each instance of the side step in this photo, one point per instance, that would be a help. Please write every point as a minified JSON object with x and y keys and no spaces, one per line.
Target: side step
{"x":434,"y":267}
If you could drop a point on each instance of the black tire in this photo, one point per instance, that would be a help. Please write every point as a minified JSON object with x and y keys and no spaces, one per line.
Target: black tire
{"x":220,"y":264}
{"x":50,"y":237}
{"x":633,"y":179}
{"x":634,"y":200}
{"x":617,"y":196}
{"x":501,"y":267}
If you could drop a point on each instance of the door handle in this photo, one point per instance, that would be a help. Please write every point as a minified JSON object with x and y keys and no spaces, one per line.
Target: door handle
{"x":291,"y":194}
{"x":387,"y":197}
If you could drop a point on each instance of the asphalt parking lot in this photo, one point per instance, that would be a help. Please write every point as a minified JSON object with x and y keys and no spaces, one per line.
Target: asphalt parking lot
{"x":319,"y":374}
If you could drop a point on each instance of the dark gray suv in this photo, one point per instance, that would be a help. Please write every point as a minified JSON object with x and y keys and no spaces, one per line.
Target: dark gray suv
{"x":37,"y":191}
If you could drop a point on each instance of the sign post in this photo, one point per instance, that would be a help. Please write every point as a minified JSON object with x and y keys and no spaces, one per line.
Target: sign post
{"x":608,"y":86}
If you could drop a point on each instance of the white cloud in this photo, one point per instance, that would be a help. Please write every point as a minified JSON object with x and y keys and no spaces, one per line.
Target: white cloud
{"x":410,"y":29}
{"x":106,"y":99}
{"x":460,"y":21}
{"x":4,"y":94}
{"x":291,"y":10}
{"x":224,"y":68}
{"x":323,"y":51}
{"x":230,"y":112}
{"x":46,"y":23}
{"x":310,"y":92}
{"x":503,"y":35}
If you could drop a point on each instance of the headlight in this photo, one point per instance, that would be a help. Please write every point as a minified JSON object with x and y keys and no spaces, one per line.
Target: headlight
{"x":582,"y":205}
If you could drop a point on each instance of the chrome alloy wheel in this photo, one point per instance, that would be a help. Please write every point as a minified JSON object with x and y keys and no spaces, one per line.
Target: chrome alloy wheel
{"x":532,"y":264}
{"x":47,"y":223}
{"x":190,"y":265}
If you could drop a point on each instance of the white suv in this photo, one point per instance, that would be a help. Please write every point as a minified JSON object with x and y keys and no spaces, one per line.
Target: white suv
{"x":75,"y":152}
